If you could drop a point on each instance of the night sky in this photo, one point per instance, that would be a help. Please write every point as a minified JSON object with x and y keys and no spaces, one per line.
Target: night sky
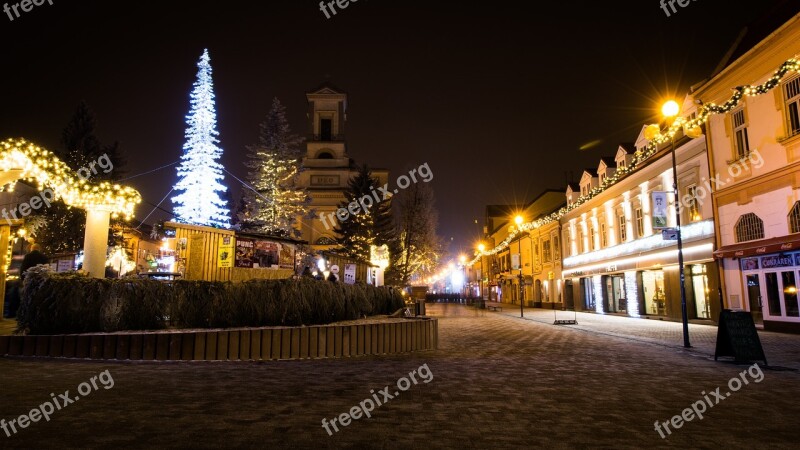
{"x":497,"y":97}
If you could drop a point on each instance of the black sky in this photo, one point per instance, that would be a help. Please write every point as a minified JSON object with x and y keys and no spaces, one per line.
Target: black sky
{"x":497,"y":96}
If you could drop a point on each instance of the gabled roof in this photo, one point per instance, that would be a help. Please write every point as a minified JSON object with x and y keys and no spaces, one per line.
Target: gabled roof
{"x":576,"y":187}
{"x":609,"y":161}
{"x":327,"y":88}
{"x":591,"y":171}
{"x":628,"y":147}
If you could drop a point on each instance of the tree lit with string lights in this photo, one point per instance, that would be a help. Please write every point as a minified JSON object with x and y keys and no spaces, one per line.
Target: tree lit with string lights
{"x":200,"y":175}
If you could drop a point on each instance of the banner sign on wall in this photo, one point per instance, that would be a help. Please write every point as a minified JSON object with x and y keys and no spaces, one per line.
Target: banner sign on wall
{"x":659,"y":210}
{"x":225,"y":254}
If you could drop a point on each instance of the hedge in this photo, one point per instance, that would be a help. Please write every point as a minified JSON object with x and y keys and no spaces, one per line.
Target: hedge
{"x":72,"y":303}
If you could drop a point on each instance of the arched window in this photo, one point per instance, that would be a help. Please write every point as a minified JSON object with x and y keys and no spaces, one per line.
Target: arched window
{"x":325,"y":155}
{"x":325,"y":240}
{"x":749,"y":227}
{"x":794,"y":218}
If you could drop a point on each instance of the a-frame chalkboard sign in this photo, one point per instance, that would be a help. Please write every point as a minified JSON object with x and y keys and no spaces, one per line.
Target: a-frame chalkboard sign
{"x":737,"y":337}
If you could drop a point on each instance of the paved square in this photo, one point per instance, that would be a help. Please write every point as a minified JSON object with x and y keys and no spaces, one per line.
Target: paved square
{"x":498,"y":382}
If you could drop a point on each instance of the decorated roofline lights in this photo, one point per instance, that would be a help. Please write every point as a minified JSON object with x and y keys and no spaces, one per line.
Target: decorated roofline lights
{"x":40,"y":166}
{"x":690,"y":127}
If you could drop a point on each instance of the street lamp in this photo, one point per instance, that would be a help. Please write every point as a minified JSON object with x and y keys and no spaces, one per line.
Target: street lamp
{"x":518,"y":220}
{"x":670,"y":110}
{"x":463,"y":260}
{"x":481,"y":248}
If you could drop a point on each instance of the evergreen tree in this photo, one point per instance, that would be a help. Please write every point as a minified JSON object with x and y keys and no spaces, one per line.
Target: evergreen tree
{"x":200,"y":175}
{"x":367,"y":228}
{"x":62,"y":227}
{"x":80,"y":146}
{"x":277,"y":201}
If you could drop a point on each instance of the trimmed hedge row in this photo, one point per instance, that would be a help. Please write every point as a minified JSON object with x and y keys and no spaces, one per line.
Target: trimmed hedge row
{"x":72,"y":303}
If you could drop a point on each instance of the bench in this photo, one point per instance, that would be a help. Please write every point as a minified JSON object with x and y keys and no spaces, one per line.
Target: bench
{"x":494,"y":306}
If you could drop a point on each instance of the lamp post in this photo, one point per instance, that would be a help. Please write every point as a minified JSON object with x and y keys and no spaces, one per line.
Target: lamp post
{"x":463,"y":260}
{"x":670,"y":110}
{"x":518,"y":220}
{"x":481,"y":248}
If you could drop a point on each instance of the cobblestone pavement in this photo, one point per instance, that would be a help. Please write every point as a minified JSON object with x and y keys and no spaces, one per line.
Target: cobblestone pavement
{"x":498,"y":382}
{"x":781,"y":349}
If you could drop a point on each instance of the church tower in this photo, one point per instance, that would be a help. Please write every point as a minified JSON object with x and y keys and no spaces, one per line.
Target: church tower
{"x":327,"y":168}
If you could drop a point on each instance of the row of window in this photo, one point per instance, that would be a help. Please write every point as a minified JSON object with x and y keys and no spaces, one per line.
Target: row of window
{"x":750,"y":227}
{"x":791,"y":97}
{"x":691,"y":213}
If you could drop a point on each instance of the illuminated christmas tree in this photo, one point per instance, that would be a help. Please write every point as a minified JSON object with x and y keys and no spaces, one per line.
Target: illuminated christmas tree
{"x":275,"y":202}
{"x":367,"y":228}
{"x":200,"y":175}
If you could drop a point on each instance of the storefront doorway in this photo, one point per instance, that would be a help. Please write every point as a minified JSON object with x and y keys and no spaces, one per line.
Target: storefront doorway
{"x":615,"y":294}
{"x":655,"y":300}
{"x":588,"y":294}
{"x":701,"y":291}
{"x":773,"y":278}
{"x":754,"y":298}
{"x":569,"y":302}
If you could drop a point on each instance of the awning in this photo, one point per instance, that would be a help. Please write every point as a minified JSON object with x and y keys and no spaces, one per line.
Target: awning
{"x":762,"y":247}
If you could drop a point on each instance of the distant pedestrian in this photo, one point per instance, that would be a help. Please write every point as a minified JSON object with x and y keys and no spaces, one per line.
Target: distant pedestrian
{"x":34,"y":258}
{"x":307,"y":273}
{"x":333,"y":278}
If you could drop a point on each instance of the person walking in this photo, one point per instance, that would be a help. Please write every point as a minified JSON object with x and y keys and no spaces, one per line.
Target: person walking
{"x":34,"y":258}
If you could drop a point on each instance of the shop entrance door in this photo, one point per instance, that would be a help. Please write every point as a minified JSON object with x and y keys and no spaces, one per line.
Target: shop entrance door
{"x":569,"y":301}
{"x":755,"y":299}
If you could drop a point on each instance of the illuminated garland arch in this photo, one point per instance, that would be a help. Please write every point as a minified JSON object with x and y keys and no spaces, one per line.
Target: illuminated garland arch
{"x":40,"y":166}
{"x":656,"y":138}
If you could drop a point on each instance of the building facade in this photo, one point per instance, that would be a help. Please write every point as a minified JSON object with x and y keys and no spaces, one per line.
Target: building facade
{"x":539,"y":254}
{"x":756,"y":148}
{"x":616,"y":259}
{"x":326,"y":167}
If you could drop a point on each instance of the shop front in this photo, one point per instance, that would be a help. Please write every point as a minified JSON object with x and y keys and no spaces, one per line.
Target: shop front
{"x":620,"y":281}
{"x":761,"y":277}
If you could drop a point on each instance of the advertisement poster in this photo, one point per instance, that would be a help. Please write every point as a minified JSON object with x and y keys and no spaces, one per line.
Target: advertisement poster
{"x":244,"y":253}
{"x":225,"y":254}
{"x":287,"y":257}
{"x":266,"y":254}
{"x":659,"y":210}
{"x":350,"y":273}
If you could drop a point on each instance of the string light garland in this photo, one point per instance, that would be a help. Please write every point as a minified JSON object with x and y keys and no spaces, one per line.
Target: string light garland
{"x":41,"y":167}
{"x":656,"y":137}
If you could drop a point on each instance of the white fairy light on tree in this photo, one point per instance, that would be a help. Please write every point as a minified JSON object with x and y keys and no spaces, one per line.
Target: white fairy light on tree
{"x":200,"y":175}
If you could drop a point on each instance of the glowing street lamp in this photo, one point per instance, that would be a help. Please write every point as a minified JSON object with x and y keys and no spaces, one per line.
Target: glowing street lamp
{"x":481,"y":249}
{"x":518,"y":220}
{"x":670,"y":110}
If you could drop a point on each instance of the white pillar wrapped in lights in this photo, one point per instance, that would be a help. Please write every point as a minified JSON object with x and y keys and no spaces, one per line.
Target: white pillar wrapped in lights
{"x":23,"y":160}
{"x":95,"y":242}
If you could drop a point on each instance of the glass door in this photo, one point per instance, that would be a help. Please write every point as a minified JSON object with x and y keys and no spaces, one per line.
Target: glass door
{"x":782,"y":294}
{"x":754,"y":298}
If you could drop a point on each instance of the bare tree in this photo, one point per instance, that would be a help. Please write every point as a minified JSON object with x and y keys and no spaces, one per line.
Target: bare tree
{"x":417,"y":247}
